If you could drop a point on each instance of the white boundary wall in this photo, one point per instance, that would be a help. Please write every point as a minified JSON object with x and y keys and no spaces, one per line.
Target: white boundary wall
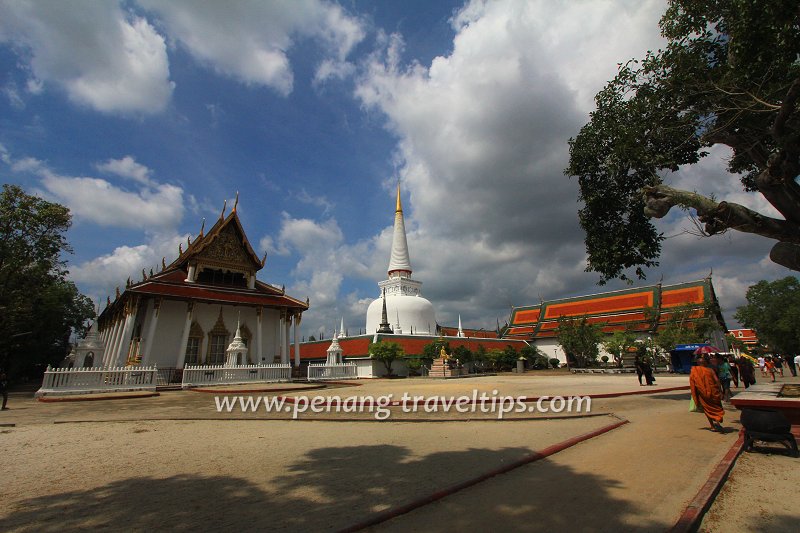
{"x":229,"y":375}
{"x":321,"y":371}
{"x":89,"y":380}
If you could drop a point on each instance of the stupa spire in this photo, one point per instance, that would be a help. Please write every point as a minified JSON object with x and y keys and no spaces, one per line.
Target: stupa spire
{"x":399,"y":262}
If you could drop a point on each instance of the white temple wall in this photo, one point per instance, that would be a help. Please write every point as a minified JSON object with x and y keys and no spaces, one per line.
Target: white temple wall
{"x":169,"y":328}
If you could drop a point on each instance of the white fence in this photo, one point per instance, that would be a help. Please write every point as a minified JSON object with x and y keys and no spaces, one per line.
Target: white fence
{"x":321,"y":371}
{"x":230,"y":375}
{"x":87,"y":380}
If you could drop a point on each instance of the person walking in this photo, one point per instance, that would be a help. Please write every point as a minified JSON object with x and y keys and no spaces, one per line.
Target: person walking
{"x":769,"y":368}
{"x":4,"y":388}
{"x":724,"y":375}
{"x":707,"y":392}
{"x":639,"y":369}
{"x":778,"y":360}
{"x":746,"y":372}
{"x":734,"y":369}
{"x":761,"y":365}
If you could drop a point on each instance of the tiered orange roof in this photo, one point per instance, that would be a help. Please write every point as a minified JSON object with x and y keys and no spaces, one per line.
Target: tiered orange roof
{"x":615,"y":310}
{"x":747,"y":336}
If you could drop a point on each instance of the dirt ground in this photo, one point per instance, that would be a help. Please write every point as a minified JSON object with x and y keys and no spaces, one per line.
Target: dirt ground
{"x":173,"y":461}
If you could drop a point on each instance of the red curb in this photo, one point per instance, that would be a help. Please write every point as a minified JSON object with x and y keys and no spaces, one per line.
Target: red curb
{"x":383,"y":516}
{"x":527,"y":399}
{"x":242,"y":391}
{"x":77,"y":398}
{"x":692,"y":516}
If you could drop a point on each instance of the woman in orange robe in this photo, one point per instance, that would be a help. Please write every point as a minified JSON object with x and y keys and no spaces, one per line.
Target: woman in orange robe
{"x":707,"y":392}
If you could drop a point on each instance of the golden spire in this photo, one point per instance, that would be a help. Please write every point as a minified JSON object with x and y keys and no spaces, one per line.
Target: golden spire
{"x":236,"y":202}
{"x":224,"y":205}
{"x":202,"y":227}
{"x":399,"y":208}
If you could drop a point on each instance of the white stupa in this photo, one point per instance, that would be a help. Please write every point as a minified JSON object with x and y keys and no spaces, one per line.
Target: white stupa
{"x":413,"y":314}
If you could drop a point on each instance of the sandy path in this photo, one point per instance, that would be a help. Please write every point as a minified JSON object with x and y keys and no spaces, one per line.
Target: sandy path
{"x":248,"y":475}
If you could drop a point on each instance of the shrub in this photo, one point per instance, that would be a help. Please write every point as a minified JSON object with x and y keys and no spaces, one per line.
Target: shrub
{"x":554,"y":362}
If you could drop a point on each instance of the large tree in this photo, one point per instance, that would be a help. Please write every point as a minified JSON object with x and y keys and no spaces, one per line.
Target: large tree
{"x":39,"y":307}
{"x":773,"y":310}
{"x":385,"y":352}
{"x":729,"y":74}
{"x":579,"y":338}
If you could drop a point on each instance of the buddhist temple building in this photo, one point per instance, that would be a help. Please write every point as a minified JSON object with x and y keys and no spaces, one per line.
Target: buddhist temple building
{"x":747,"y":336}
{"x":187,"y":313}
{"x":643,"y":310}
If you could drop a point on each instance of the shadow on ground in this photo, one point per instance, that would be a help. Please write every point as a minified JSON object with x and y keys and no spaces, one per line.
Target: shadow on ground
{"x":332,"y":488}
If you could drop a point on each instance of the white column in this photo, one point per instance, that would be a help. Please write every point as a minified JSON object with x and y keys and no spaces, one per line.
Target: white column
{"x":297,"y":340}
{"x":287,"y":326}
{"x":151,"y":332}
{"x":251,"y":281}
{"x":108,"y":358}
{"x":190,"y":276}
{"x":259,"y":338}
{"x":124,"y":339}
{"x":282,"y":337}
{"x":187,"y":325}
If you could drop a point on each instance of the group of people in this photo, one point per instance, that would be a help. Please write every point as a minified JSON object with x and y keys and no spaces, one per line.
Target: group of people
{"x":710,"y":382}
{"x":771,"y":365}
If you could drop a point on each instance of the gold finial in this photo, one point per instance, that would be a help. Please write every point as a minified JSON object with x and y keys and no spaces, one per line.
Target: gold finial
{"x":202,"y":227}
{"x":163,"y":263}
{"x":108,"y":301}
{"x":116,"y":293}
{"x":188,"y":241}
{"x":180,"y":248}
{"x":283,"y":289}
{"x":151,"y":272}
{"x":128,"y":283}
{"x":399,"y":208}
{"x":307,"y":301}
{"x":224,"y":205}
{"x":264,"y":260}
{"x":236,"y":202}
{"x":144,"y":275}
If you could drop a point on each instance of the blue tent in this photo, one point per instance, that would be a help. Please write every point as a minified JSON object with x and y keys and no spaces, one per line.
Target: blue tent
{"x":681,"y":357}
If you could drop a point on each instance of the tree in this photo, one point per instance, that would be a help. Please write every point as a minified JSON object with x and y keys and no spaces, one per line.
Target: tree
{"x":385,"y":352}
{"x":311,"y":338}
{"x":536,"y":359}
{"x":729,"y":75}
{"x":579,"y":338}
{"x":39,"y":308}
{"x":462,"y":354}
{"x":685,"y":324}
{"x":773,"y":310}
{"x":619,"y":342}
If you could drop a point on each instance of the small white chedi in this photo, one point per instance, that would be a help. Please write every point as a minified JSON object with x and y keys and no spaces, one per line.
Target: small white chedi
{"x":413,"y":314}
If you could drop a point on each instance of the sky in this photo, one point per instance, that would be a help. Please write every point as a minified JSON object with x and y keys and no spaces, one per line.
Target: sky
{"x":144,"y":116}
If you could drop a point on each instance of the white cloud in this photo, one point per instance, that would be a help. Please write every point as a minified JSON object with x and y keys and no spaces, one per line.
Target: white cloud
{"x":153,"y":207}
{"x":249,"y":40}
{"x":102,"y":56}
{"x":99,"y":276}
{"x":127,"y":167}
{"x":482,"y":141}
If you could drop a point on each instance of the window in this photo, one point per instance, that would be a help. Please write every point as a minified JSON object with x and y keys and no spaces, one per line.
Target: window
{"x":193,"y":351}
{"x":216,"y":354}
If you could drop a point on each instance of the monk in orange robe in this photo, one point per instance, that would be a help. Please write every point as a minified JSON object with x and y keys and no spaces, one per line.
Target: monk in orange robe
{"x":707,"y":392}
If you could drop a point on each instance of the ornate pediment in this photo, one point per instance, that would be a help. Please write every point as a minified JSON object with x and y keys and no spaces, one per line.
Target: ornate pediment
{"x":227,"y":249}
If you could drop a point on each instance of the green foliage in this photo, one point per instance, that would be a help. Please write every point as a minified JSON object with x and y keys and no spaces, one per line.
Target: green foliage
{"x":619,"y":342}
{"x":463,"y":354}
{"x":555,"y":363}
{"x":729,"y":75}
{"x":535,"y":358}
{"x":39,"y":308}
{"x":432,"y":350}
{"x":687,"y":324}
{"x":579,"y":338}
{"x":773,"y":310}
{"x":737,"y":344}
{"x":385,"y":352}
{"x":311,"y":338}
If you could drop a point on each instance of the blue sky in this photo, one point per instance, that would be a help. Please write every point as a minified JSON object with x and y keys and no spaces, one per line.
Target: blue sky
{"x":144,"y":116}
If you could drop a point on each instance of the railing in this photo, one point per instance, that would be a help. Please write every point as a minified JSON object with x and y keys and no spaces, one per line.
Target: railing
{"x":77,"y":380}
{"x":229,"y":375}
{"x":321,"y":371}
{"x":169,"y":376}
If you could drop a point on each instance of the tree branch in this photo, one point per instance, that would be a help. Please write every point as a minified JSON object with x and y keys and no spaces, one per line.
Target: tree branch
{"x":719,"y":216}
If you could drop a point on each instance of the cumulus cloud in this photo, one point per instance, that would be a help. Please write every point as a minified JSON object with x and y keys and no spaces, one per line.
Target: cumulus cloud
{"x":249,"y":40}
{"x":127,"y":167}
{"x":103,"y":56}
{"x":155,"y":206}
{"x":482,"y":143}
{"x":102,"y":274}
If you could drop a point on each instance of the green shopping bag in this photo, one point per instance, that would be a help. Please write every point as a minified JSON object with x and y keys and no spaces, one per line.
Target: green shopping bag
{"x":693,"y":408}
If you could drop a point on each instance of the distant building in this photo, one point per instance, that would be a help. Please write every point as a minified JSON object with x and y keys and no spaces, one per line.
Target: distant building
{"x":747,"y":336}
{"x":615,"y":311}
{"x":186,"y":314}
